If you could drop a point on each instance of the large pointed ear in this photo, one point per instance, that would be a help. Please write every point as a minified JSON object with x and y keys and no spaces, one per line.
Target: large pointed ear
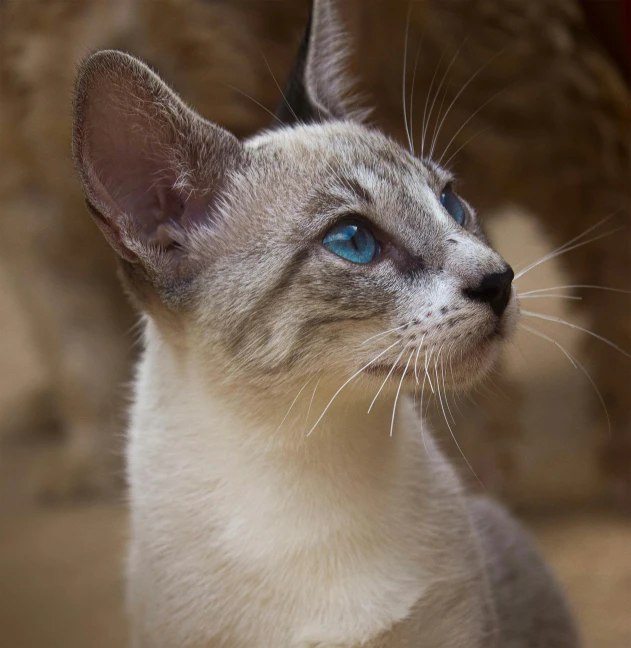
{"x":152,"y":169}
{"x":319,"y":88}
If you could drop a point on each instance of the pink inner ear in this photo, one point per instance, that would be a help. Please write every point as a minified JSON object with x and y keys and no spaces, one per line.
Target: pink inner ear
{"x":150,"y":166}
{"x":131,"y":155}
{"x":137,"y":150}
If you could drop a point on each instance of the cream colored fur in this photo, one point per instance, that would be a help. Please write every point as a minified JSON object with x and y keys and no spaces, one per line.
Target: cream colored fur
{"x":247,"y":535}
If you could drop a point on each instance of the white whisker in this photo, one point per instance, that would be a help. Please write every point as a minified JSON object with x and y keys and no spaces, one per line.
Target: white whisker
{"x":464,"y":87}
{"x":546,"y":337}
{"x":577,"y":365}
{"x":566,"y":245}
{"x":442,"y":370}
{"x":445,"y":388}
{"x":324,"y":411}
{"x":405,"y":61}
{"x":418,"y":51}
{"x":427,"y":359}
{"x":258,"y":103}
{"x":464,"y":124}
{"x":421,"y":416}
{"x":292,"y":404}
{"x":278,"y":86}
{"x":468,"y":141}
{"x":420,"y":346}
{"x":396,"y":398}
{"x":311,"y":401}
{"x":373,"y":337}
{"x":425,"y":124}
{"x":431,"y":109}
{"x":383,"y":384}
{"x":453,"y":436}
{"x":571,"y":286}
{"x":554,"y":255}
{"x":558,"y":320}
{"x":553,"y":296}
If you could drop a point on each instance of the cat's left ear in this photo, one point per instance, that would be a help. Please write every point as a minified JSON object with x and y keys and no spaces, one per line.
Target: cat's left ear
{"x":153,"y":171}
{"x":319,"y":87}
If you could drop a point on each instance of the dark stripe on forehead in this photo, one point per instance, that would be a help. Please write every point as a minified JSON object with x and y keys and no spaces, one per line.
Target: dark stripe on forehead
{"x":287,"y":276}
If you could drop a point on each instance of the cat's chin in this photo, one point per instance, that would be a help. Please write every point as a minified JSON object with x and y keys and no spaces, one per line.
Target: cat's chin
{"x":462,"y":368}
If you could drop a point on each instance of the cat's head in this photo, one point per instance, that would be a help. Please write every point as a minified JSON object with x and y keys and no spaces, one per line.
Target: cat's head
{"x":312,"y":249}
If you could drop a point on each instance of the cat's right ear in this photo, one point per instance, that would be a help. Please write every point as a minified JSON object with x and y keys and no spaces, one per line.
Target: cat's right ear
{"x":152,"y":169}
{"x":319,"y":87}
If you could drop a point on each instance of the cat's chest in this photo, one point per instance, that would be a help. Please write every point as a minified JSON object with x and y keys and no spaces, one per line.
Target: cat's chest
{"x":345,"y":593}
{"x":299,"y":577}
{"x":230,"y":550}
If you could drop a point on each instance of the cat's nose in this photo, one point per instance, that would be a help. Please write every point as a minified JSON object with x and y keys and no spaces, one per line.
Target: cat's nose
{"x":494,"y":289}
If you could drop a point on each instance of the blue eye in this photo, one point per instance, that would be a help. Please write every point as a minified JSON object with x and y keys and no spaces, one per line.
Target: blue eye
{"x":352,"y":241}
{"x":452,"y":204}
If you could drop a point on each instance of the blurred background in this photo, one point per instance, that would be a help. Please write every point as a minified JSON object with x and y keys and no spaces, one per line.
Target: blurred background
{"x":529,"y":102}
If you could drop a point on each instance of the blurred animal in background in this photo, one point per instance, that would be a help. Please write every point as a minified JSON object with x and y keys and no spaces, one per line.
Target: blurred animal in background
{"x":519,"y":97}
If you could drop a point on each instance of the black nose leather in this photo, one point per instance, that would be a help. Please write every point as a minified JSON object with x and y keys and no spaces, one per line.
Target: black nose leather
{"x":494,"y":289}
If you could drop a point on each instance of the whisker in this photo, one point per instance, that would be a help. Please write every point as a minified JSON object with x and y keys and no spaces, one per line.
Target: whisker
{"x":383,"y":384}
{"x":453,"y":436}
{"x":453,"y":155}
{"x":427,"y":359}
{"x":464,"y":87}
{"x":442,"y":369}
{"x":418,"y":51}
{"x":471,"y":116}
{"x":292,"y":405}
{"x":565,"y":245}
{"x":396,"y":398}
{"x":558,"y":320}
{"x":577,"y":365}
{"x":453,"y":380}
{"x":396,"y":328}
{"x":405,"y":61}
{"x":446,"y":73}
{"x":278,"y":86}
{"x":553,"y":255}
{"x":311,"y":401}
{"x":258,"y":103}
{"x":546,"y":337}
{"x":420,"y":346}
{"x":554,"y":296}
{"x":324,"y":411}
{"x":429,"y":92}
{"x":421,"y":416}
{"x":569,"y":286}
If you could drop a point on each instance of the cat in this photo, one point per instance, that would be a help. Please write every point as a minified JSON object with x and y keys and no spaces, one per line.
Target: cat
{"x":285,"y":280}
{"x":554,"y":141}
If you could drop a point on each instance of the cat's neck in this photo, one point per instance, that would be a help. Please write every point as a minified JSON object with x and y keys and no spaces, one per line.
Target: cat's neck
{"x":313,"y":436}
{"x":341,"y":508}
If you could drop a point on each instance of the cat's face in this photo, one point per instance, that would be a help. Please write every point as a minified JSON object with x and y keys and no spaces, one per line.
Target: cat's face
{"x":313,"y":250}
{"x":338,"y":235}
